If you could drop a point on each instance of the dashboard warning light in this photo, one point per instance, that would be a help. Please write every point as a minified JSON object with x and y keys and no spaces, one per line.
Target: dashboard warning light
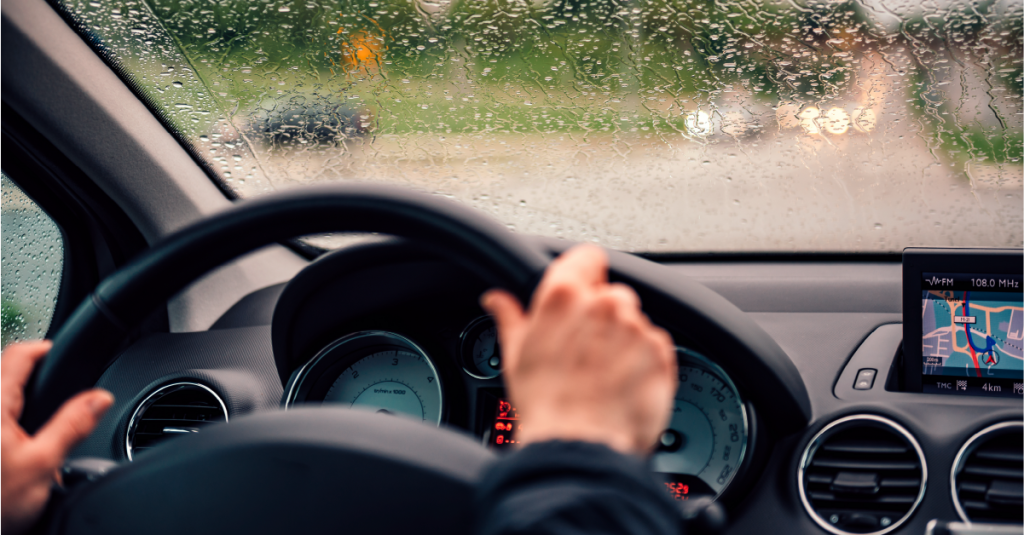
{"x":504,"y":417}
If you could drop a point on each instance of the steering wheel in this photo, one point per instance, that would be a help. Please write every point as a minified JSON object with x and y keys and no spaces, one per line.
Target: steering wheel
{"x":280,"y":472}
{"x":325,"y":469}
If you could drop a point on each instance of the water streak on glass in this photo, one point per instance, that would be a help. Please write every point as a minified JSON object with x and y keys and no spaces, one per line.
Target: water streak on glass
{"x":651,"y":125}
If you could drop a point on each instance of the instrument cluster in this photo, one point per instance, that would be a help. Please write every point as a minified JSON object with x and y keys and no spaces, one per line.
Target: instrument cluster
{"x":699,"y":454}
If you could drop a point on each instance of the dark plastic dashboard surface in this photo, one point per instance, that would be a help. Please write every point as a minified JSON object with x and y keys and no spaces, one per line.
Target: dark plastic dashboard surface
{"x":236,"y":363}
{"x":828,"y":319}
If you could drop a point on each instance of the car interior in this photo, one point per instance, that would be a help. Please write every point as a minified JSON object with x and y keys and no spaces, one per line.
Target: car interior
{"x":265,"y":228}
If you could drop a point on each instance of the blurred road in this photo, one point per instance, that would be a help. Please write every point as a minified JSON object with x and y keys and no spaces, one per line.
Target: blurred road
{"x":776,"y":190}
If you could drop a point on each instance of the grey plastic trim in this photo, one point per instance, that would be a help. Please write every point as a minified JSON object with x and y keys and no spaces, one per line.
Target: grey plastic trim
{"x":826,"y":432}
{"x":66,"y":92}
{"x":303,"y":373}
{"x":59,"y":85}
{"x":155,"y":396}
{"x":961,"y":457}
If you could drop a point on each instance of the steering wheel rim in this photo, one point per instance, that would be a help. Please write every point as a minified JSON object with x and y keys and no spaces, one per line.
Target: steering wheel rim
{"x":86,"y":342}
{"x":307,"y":470}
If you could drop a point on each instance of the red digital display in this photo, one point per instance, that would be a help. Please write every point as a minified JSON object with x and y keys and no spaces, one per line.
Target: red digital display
{"x":506,"y":423}
{"x":678,"y":491}
{"x":502,"y":434}
{"x":686,"y":487}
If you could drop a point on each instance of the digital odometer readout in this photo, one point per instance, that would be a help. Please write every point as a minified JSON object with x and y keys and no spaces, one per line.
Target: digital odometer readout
{"x":972,"y":339}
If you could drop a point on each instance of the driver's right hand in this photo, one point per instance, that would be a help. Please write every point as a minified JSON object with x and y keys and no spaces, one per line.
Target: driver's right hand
{"x":584,"y":362}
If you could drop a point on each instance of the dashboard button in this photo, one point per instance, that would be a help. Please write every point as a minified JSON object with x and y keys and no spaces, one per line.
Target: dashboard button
{"x":865,"y":379}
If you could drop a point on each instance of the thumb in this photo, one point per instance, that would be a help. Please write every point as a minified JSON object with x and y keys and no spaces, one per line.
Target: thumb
{"x":510,"y":318}
{"x":74,"y":421}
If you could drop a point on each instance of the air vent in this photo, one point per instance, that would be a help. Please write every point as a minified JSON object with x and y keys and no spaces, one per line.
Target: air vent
{"x":172,"y":410}
{"x":988,"y":475}
{"x":862,"y":474}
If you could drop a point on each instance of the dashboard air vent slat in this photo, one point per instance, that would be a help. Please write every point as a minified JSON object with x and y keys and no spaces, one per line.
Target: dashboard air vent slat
{"x":901,"y":482}
{"x":1000,"y":454}
{"x":862,"y":474}
{"x":864,"y":464}
{"x":864,"y":446}
{"x":175,"y":409}
{"x":988,"y":475}
{"x":991,"y":471}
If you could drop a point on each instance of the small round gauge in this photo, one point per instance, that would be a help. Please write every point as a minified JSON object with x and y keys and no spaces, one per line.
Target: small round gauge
{"x":373,"y":370}
{"x":706,"y":441}
{"x":480,"y":351}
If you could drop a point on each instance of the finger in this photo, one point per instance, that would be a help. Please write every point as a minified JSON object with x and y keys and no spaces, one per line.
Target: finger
{"x":666,"y":349}
{"x":625,"y":295}
{"x":16,"y":365}
{"x":510,"y":318}
{"x":618,"y":306}
{"x":585,"y":264}
{"x":74,"y":421}
{"x":504,"y":307}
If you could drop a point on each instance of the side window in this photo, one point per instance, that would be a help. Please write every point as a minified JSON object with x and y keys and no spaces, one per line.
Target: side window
{"x":31,"y":263}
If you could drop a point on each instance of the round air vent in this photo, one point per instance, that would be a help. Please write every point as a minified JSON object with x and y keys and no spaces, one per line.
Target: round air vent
{"x":862,"y":474}
{"x":988,"y":475}
{"x":171,"y":410}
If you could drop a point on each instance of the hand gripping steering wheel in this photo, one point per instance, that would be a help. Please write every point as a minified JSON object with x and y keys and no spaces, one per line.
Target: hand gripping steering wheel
{"x":327,"y":469}
{"x":307,"y":470}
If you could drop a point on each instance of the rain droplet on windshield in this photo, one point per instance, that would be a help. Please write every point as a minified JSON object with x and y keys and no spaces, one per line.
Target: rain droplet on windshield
{"x":839,"y":125}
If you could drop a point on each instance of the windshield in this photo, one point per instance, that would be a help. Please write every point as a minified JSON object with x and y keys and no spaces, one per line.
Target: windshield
{"x":643,"y":125}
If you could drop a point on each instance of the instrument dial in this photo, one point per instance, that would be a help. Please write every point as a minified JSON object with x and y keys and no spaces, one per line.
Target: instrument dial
{"x":372,"y":370}
{"x":390,"y":382}
{"x":480,"y":350}
{"x":706,"y":440}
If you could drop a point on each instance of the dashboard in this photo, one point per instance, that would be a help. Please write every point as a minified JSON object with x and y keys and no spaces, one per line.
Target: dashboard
{"x":396,"y":330}
{"x":832,"y":438}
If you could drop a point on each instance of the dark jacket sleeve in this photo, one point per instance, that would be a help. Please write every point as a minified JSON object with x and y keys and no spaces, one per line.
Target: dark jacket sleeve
{"x":570,"y":488}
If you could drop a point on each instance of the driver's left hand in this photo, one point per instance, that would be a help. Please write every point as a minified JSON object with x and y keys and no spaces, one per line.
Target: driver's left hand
{"x":30,"y":464}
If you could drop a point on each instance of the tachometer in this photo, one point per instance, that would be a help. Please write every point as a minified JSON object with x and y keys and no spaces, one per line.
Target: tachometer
{"x":373,"y":370}
{"x":479,"y":349}
{"x":706,"y":440}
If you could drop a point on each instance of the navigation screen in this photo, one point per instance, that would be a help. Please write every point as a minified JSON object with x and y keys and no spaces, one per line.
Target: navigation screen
{"x":972,"y":334}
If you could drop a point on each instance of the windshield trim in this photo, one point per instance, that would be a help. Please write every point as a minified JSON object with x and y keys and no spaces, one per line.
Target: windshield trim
{"x":110,"y":60}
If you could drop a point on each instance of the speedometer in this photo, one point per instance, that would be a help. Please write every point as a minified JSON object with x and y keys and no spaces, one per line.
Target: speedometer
{"x":706,"y":441}
{"x":373,"y":370}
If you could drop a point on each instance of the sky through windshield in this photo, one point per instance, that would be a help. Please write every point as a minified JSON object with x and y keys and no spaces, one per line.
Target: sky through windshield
{"x":644,"y":125}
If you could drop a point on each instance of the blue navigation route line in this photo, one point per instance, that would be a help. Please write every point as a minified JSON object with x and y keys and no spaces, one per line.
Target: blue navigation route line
{"x":990,"y":342}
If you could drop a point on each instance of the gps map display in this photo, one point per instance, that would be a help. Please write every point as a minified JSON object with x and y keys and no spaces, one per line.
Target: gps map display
{"x":972,"y":334}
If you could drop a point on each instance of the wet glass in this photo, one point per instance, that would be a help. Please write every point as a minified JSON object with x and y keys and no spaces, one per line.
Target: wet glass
{"x":643,"y":125}
{"x":31,"y":265}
